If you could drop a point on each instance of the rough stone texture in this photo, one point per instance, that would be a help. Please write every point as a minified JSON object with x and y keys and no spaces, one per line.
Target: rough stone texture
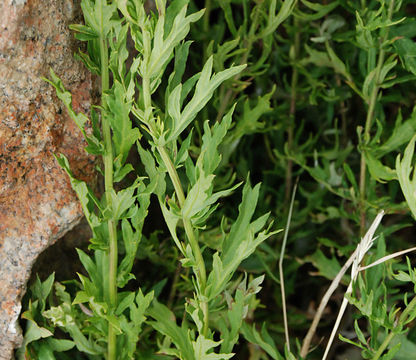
{"x":37,"y":205}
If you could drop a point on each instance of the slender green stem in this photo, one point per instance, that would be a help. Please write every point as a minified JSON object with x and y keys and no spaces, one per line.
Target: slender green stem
{"x":369,"y":120}
{"x":108,"y":179}
{"x":200,"y":264}
{"x":173,"y":174}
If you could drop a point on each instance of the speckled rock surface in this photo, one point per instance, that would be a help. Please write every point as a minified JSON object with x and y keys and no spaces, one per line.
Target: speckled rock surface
{"x":37,"y":205}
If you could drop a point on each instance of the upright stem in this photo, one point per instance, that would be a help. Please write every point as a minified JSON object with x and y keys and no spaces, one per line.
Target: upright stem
{"x":173,"y":174}
{"x":108,"y":179}
{"x":369,"y":120}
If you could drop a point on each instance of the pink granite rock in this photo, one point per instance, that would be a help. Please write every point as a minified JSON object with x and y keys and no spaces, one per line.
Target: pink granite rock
{"x":37,"y":205}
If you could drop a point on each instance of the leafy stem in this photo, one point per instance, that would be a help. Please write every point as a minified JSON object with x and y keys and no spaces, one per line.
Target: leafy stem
{"x":173,"y":174}
{"x":402,"y":320}
{"x":108,"y":179}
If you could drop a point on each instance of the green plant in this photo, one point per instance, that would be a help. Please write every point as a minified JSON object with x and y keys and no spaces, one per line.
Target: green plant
{"x":323,"y":92}
{"x":102,"y":321}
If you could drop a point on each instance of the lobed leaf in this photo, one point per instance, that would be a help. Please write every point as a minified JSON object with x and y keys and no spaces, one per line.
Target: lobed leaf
{"x":204,"y":90}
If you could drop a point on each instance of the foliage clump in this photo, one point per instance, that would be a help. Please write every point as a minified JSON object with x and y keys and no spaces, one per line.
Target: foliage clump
{"x":318,"y":94}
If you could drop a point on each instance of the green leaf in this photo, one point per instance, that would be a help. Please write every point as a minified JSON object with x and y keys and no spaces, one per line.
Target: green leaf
{"x":407,"y":181}
{"x":263,"y":339}
{"x":402,"y":133}
{"x":121,"y":172}
{"x":123,"y":201}
{"x":125,"y":303}
{"x":210,"y":157}
{"x":34,"y":332}
{"x":181,"y":55}
{"x":84,"y":33}
{"x":239,"y":244}
{"x":85,"y":195}
{"x":155,"y":174}
{"x":327,"y":267}
{"x":406,"y":49}
{"x":202,"y":347}
{"x":91,"y":65}
{"x":406,"y":350}
{"x":124,"y":135}
{"x":377,"y":170}
{"x":337,"y":63}
{"x":164,"y":44}
{"x":41,"y":290}
{"x":66,"y":97}
{"x":45,"y":352}
{"x":391,"y":354}
{"x":90,"y":266}
{"x":319,"y":10}
{"x":249,"y":122}
{"x":165,"y":324}
{"x":200,"y":197}
{"x":60,"y":345}
{"x":274,"y":20}
{"x":196,"y":200}
{"x":204,"y":90}
{"x":143,"y":302}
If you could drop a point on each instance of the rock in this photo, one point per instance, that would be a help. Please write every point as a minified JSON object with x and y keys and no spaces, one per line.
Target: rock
{"x":37,"y":205}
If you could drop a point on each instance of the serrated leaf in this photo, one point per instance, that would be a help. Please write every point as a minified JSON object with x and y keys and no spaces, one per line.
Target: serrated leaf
{"x":156,"y":176}
{"x":90,"y":266}
{"x":181,"y":55}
